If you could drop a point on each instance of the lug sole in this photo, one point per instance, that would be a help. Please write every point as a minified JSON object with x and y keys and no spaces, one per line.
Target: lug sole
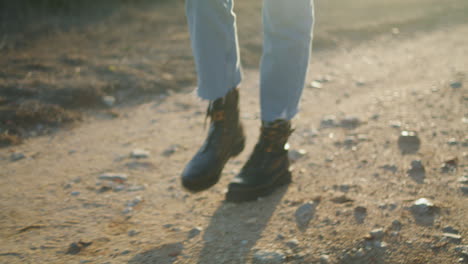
{"x":252,"y":194}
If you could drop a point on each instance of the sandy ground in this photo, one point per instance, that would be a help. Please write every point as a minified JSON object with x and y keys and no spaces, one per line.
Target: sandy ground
{"x":55,"y":209}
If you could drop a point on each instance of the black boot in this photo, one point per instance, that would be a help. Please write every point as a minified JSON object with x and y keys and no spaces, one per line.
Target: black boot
{"x":268,"y":166}
{"x":225,"y":140}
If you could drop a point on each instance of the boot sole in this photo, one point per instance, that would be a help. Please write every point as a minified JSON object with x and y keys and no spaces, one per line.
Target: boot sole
{"x":252,"y":194}
{"x":237,"y":149}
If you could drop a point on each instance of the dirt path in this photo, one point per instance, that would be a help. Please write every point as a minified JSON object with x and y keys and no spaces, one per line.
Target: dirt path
{"x":355,"y":178}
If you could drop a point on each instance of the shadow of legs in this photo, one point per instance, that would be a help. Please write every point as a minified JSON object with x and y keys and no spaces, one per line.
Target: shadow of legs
{"x":237,"y":227}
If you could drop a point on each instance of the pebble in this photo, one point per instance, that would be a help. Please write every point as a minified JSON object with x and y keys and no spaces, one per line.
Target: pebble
{"x":132,"y":233}
{"x":396,"y":225}
{"x":350,"y":141}
{"x":113,"y":177}
{"x":293,"y":243}
{"x":462,"y":249}
{"x":395,"y":124}
{"x":125,"y":252}
{"x":377,"y":234}
{"x":140,"y":154}
{"x":409,"y":142}
{"x":449,"y":165}
{"x":454,"y":238}
{"x":135,"y":201}
{"x":136,"y":188}
{"x":452,"y":142}
{"x":171,"y":150}
{"x":464,"y":190}
{"x":350,"y":122}
{"x":127,"y":210}
{"x":304,"y":214}
{"x":389,"y":167}
{"x":450,"y":229}
{"x":324,"y":259}
{"x":456,"y":85}
{"x":295,"y":155}
{"x":75,"y":248}
{"x":75,"y":193}
{"x":316,"y":85}
{"x":328,"y":121}
{"x":194,"y":232}
{"x":422,"y":206}
{"x":108,"y":100}
{"x":17,"y":156}
{"x":341,"y":199}
{"x":268,"y":257}
{"x":463,"y":179}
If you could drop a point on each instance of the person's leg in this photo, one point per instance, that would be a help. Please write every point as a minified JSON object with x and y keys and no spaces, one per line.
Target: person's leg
{"x":288,"y":28}
{"x":215,"y":48}
{"x":212,"y":25}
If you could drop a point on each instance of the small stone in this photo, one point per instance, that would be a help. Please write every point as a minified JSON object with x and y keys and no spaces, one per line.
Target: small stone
{"x":328,"y":121}
{"x":324,"y":259}
{"x":135,"y":201}
{"x":119,"y":177}
{"x":244,"y":242}
{"x":75,"y":193}
{"x":194,"y":232}
{"x":132,"y":233}
{"x":452,"y":142}
{"x":316,"y":85}
{"x":125,"y":252}
{"x":304,"y":214}
{"x":464,"y":190}
{"x":341,"y":199}
{"x":280,"y":237}
{"x":463,"y":180}
{"x":136,"y":188}
{"x":450,"y":165}
{"x":268,"y":257}
{"x":449,"y":229}
{"x":409,"y":142}
{"x":171,"y":150}
{"x":395,"y":124}
{"x":454,"y":238}
{"x":140,"y":154}
{"x":17,"y":156}
{"x":108,"y":100}
{"x":422,"y":206}
{"x":293,"y":243}
{"x":295,"y":155}
{"x":127,"y":210}
{"x":462,"y":250}
{"x":350,"y":122}
{"x":362,"y":137}
{"x":119,"y":187}
{"x":75,"y":248}
{"x":377,"y":234}
{"x":350,"y":141}
{"x":390,"y":167}
{"x":456,"y":85}
{"x":396,"y":225}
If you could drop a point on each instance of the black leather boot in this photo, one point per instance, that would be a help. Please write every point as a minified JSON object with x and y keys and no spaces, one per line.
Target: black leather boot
{"x":225,"y":140}
{"x":268,"y":166}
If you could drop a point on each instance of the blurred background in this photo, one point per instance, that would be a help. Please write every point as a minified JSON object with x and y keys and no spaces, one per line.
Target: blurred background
{"x":60,"y":57}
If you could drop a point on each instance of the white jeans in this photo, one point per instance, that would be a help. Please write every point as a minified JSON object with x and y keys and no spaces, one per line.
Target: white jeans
{"x":288,"y":28}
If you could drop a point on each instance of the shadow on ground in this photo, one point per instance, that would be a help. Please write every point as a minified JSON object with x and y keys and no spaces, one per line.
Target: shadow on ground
{"x":231,"y":226}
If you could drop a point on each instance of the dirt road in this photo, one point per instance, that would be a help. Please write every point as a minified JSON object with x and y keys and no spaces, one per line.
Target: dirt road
{"x":353,"y":174}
